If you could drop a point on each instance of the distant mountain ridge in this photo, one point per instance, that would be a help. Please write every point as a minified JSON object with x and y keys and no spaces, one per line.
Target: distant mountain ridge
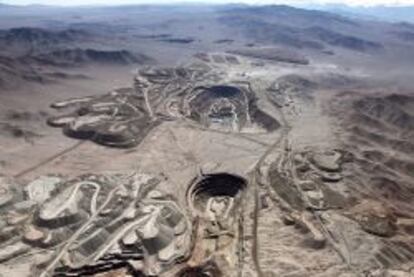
{"x":387,"y":13}
{"x":35,"y":55}
{"x":299,"y":28}
{"x":39,"y":35}
{"x":28,"y":40}
{"x":293,"y":13}
{"x":77,"y":56}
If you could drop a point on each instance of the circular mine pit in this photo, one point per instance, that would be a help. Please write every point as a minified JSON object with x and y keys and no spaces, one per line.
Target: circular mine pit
{"x":219,"y":105}
{"x":215,"y":193}
{"x":229,"y":107}
{"x":223,"y":91}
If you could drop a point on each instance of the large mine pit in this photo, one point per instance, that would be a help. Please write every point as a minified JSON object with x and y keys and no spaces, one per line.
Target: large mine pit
{"x":224,"y":105}
{"x":215,"y":202}
{"x":222,"y":187}
{"x":228,"y":107}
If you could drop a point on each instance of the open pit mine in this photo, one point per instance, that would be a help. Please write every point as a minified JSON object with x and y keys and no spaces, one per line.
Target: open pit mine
{"x":237,"y":169}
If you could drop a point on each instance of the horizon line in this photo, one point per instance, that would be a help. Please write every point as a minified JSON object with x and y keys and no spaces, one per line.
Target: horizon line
{"x":206,"y":3}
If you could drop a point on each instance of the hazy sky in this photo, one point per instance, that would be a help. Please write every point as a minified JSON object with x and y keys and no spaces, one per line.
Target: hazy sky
{"x":292,"y":2}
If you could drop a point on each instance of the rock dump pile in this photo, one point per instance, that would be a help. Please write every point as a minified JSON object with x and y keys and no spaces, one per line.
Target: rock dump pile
{"x":93,"y":223}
